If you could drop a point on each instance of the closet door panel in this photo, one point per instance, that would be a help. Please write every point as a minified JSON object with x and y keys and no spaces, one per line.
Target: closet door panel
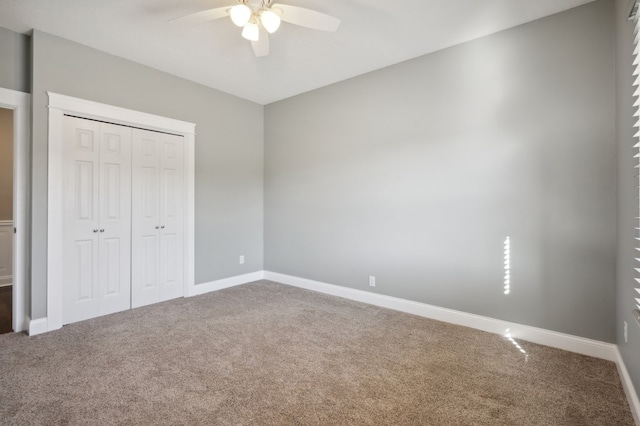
{"x":111,"y":250}
{"x":172,"y":228}
{"x":145,"y":224}
{"x":81,"y":220}
{"x":158,"y":222}
{"x":97,"y":217}
{"x":149,"y":266}
{"x":82,"y":280}
{"x":115,"y":219}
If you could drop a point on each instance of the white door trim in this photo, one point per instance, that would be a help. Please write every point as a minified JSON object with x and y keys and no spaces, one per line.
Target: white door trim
{"x":59,"y":105}
{"x":7,"y":279}
{"x":20,"y":103}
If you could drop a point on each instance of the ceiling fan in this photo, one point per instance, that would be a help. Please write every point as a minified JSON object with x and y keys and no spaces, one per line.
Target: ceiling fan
{"x":259,"y":18}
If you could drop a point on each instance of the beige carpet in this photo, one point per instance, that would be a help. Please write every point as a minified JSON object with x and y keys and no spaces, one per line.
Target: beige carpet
{"x":269,"y":354}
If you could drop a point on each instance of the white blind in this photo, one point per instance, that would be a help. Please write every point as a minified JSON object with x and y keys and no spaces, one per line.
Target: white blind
{"x":636,"y":150}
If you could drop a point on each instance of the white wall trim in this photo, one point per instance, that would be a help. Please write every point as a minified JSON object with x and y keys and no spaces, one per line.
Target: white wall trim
{"x":59,"y":105}
{"x":37,"y":326}
{"x":516,"y":331}
{"x":227,"y":282}
{"x":7,"y":280}
{"x":98,"y":111}
{"x":629,"y":390}
{"x":20,"y":103}
{"x":190,"y":235}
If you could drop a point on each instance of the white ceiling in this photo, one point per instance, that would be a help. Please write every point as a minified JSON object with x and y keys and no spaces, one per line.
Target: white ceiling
{"x":373,"y":34}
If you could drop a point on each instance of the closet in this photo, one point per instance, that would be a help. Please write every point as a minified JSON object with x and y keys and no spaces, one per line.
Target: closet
{"x":123,"y":219}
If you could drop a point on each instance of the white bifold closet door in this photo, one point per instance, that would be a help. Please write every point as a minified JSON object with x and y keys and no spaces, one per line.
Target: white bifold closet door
{"x":97,"y":219}
{"x":158,"y":225}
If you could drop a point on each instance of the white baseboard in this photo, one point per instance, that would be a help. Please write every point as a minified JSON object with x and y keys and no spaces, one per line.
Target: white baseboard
{"x":541,"y":336}
{"x":40,"y":325}
{"x":554,"y":339}
{"x":226,"y":283}
{"x":629,"y":390}
{"x":37,"y":326}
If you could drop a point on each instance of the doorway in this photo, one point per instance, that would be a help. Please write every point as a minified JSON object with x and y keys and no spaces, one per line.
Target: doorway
{"x":6,"y":220}
{"x":17,"y":105}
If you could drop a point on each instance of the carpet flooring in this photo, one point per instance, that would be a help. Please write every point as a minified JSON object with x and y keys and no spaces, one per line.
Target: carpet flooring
{"x":269,"y":354}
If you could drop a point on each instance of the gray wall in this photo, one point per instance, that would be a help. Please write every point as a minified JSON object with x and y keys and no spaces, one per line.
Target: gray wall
{"x":229,"y":151}
{"x":416,"y":174}
{"x":6,"y":164}
{"x":627,"y":202}
{"x":14,"y":61}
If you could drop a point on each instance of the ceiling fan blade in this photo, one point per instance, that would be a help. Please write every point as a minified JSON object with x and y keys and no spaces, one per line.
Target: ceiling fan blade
{"x":306,"y":17}
{"x":202,"y":16}
{"x":261,"y":47}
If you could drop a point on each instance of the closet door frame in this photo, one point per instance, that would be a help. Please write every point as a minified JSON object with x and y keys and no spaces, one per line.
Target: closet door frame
{"x":61,"y":105}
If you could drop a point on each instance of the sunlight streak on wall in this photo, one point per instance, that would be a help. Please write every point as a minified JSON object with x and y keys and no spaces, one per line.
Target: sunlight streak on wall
{"x":507,"y":265}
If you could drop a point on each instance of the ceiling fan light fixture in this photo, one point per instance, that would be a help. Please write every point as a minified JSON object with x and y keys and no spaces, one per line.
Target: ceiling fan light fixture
{"x":270,"y":21}
{"x":259,"y":18}
{"x":251,"y":31}
{"x":240,"y":14}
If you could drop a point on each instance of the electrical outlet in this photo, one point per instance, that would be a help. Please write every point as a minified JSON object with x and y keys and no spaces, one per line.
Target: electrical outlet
{"x":372,"y":281}
{"x":626,"y":339}
{"x":241,"y":260}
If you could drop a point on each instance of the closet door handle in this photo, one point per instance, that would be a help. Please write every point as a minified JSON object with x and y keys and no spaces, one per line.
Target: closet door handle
{"x":102,"y":230}
{"x":95,"y":230}
{"x":162,"y":227}
{"x":157,"y":227}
